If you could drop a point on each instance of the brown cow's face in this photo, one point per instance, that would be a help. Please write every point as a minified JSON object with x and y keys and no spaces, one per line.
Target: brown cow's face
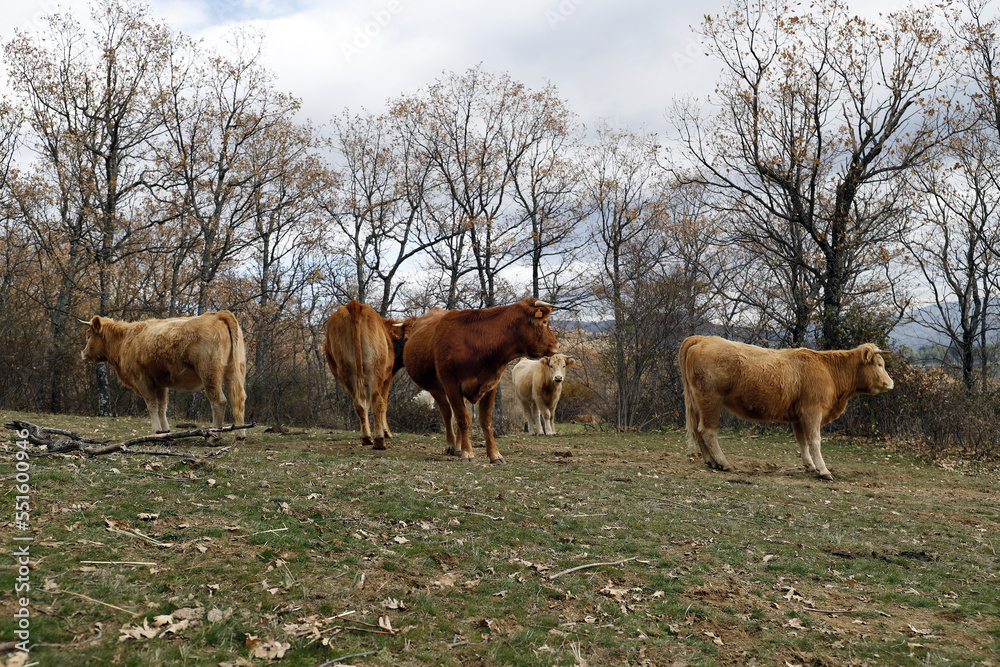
{"x":872,"y":376}
{"x":94,"y":351}
{"x":539,"y":340}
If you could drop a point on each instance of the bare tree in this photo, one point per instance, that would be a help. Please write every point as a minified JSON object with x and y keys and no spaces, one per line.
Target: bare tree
{"x":819,"y":113}
{"x":621,"y":191}
{"x":92,"y":100}
{"x":213,"y":110}
{"x":377,"y":202}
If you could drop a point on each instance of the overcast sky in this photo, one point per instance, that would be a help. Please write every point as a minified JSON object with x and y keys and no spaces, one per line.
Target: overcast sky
{"x":621,"y":60}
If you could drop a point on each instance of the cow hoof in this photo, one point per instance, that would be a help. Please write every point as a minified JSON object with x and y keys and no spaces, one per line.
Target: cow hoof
{"x":827,"y":476}
{"x":469,"y":458}
{"x":366,"y":441}
{"x":498,"y":459}
{"x":379,"y":444}
{"x":240,"y":440}
{"x":452,"y":452}
{"x":214,"y":440}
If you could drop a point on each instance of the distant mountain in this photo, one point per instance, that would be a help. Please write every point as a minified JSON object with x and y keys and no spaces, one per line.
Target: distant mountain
{"x":915,"y":334}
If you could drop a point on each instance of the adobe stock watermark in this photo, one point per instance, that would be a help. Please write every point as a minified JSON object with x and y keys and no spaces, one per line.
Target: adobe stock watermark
{"x":22,"y":544}
{"x":562,"y":12}
{"x":692,"y":50}
{"x":365,"y":34}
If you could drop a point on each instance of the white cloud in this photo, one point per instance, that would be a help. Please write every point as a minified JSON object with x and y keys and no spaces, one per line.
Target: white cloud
{"x":623,"y":60}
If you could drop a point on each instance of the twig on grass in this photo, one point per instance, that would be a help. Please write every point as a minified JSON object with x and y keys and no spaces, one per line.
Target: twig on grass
{"x":136,"y":533}
{"x":90,"y":599}
{"x":583,"y":567}
{"x":488,"y":516}
{"x":115,"y":562}
{"x":273,"y":530}
{"x":347,"y":657}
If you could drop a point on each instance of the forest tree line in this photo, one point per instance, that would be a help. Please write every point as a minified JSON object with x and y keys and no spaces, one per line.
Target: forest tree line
{"x":843,"y":171}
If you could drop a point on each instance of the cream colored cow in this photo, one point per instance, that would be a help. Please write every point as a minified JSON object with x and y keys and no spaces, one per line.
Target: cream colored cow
{"x":178,"y":353}
{"x":538,"y":385}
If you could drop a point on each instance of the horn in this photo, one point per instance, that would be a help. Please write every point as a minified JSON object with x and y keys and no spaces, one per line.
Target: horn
{"x":539,"y":303}
{"x":83,"y":322}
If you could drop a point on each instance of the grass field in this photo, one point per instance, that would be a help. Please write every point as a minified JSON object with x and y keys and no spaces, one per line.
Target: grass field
{"x":307,"y":549}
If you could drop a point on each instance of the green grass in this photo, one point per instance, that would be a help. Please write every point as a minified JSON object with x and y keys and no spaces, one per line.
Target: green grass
{"x":310,"y":540}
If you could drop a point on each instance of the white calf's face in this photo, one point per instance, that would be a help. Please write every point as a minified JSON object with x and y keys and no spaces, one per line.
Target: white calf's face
{"x":556,"y":366}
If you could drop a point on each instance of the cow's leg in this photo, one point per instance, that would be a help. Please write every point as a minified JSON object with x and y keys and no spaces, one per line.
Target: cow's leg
{"x":384,"y":391}
{"x":694,"y":440}
{"x":379,"y":408}
{"x":536,"y":419}
{"x":213,"y":390}
{"x":800,"y":436}
{"x":526,"y":409}
{"x":811,"y":431}
{"x":461,"y":415}
{"x":161,"y":399}
{"x":361,"y":410}
{"x":237,"y":397}
{"x":152,"y":396}
{"x":449,"y":430}
{"x":486,"y":423}
{"x":547,"y":420}
{"x":708,"y":434}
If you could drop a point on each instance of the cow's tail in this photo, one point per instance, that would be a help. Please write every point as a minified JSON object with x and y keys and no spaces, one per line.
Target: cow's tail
{"x":236,"y":369}
{"x":360,"y":386}
{"x":237,"y":350}
{"x":691,"y":416}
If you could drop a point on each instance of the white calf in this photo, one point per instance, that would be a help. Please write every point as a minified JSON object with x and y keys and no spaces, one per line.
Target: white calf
{"x":538,"y":385}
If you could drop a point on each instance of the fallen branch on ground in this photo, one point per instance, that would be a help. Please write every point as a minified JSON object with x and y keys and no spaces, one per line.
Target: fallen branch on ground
{"x":74,"y":442}
{"x":583,"y":567}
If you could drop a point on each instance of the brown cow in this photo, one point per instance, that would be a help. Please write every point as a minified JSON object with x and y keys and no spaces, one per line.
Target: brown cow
{"x":460,"y":355}
{"x":538,"y":385}
{"x":364,"y":351}
{"x":178,"y":353}
{"x":801,"y":387}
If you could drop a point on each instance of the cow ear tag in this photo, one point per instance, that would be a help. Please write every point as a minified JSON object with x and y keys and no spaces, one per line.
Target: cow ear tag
{"x":538,"y":313}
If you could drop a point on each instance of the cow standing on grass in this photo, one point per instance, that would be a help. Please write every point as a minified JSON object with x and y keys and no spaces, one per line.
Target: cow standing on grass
{"x":365,"y":351}
{"x":538,"y":385}
{"x":460,"y":355}
{"x":801,"y":387}
{"x":178,"y":353}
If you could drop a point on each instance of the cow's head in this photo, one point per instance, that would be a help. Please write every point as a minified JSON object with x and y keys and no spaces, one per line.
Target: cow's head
{"x":535,"y":336}
{"x":95,"y":350}
{"x":557,"y":365}
{"x":872,"y":376}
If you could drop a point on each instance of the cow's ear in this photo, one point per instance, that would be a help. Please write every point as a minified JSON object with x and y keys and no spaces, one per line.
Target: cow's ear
{"x":95,"y":324}
{"x":869,"y":354}
{"x":545,"y":360}
{"x":569,"y":361}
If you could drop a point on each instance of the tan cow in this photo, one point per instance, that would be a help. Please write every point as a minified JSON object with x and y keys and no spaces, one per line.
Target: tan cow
{"x":801,"y":387}
{"x":538,"y":384}
{"x":178,"y":353}
{"x":364,"y":351}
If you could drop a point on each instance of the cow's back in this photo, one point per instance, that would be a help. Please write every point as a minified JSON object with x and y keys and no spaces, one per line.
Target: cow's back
{"x":756,"y":383}
{"x":342,"y":342}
